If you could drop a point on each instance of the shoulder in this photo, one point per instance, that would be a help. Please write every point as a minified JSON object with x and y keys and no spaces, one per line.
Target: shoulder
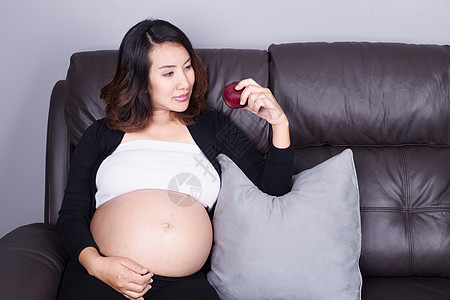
{"x":99,"y":134}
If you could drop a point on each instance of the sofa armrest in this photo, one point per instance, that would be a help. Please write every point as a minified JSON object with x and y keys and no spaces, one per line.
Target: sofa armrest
{"x":57,"y":153}
{"x":32,"y":261}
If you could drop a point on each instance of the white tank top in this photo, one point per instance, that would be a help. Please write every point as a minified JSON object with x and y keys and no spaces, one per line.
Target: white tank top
{"x":142,"y":164}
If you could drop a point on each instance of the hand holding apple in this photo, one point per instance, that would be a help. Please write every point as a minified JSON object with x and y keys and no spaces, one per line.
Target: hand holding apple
{"x":261,"y":102}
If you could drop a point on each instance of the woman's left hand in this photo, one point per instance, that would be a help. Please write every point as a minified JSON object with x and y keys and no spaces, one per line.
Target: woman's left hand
{"x":261,"y":102}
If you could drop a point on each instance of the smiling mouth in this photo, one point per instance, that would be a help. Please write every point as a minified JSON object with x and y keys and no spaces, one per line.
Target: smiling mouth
{"x":182,"y":98}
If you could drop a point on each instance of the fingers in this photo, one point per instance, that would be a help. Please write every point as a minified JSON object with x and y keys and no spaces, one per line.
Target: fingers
{"x":137,"y":282}
{"x":246,"y":82}
{"x":258,"y":97}
{"x":127,"y":277}
{"x":260,"y":101}
{"x":136,"y":292}
{"x":134,"y":266}
{"x":136,"y":287}
{"x":253,"y":91}
{"x":250,"y":86}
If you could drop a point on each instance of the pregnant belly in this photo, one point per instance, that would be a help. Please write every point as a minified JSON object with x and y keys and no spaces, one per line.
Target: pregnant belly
{"x":169,"y":233}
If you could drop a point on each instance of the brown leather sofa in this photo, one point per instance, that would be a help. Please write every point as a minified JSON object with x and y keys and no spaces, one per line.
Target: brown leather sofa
{"x":389,"y":103}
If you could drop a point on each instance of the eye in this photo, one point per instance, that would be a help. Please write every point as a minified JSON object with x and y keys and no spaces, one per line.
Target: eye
{"x":168,"y":74}
{"x":188,"y":67}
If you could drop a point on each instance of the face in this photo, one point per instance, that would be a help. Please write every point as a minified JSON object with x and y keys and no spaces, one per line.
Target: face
{"x":171,"y":78}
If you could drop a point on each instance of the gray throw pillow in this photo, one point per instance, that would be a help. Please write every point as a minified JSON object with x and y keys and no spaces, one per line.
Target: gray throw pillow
{"x":303,"y":245}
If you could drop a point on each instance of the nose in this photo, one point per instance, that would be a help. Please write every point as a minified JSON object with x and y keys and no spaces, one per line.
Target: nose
{"x":183,"y":81}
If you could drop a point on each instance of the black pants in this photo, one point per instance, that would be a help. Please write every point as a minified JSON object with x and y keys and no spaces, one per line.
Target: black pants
{"x":77,"y":284}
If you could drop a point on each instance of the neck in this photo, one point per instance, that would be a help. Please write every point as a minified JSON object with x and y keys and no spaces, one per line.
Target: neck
{"x":164,"y":117}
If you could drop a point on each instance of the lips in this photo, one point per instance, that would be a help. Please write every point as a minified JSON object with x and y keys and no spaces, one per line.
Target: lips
{"x":182,"y":98}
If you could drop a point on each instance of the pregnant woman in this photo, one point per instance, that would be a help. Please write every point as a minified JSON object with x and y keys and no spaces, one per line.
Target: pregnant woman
{"x":143,"y":181}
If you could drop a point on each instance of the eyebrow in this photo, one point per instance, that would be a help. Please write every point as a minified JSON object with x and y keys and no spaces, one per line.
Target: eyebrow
{"x":173,"y":66}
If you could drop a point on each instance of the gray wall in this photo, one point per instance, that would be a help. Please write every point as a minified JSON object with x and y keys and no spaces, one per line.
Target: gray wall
{"x":38,"y":37}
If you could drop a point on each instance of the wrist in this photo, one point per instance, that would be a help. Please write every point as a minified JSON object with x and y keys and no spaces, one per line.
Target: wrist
{"x":283,"y":124}
{"x":89,"y":258}
{"x":280,"y":134}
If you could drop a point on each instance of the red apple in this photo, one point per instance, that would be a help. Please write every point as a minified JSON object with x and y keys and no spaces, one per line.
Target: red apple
{"x":231,"y":96}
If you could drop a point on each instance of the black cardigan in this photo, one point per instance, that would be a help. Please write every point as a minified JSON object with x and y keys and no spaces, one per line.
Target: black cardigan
{"x":213,"y":132}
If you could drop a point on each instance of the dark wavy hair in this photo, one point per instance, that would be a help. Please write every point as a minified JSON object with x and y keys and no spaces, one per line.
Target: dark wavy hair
{"x":128,"y":104}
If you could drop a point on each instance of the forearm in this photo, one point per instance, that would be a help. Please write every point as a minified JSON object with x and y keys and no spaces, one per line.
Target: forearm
{"x":73,"y":226}
{"x":271,"y":175}
{"x":280,"y":134}
{"x":276,"y":178}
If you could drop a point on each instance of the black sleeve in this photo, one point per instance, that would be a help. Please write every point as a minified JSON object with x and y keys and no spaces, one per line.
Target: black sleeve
{"x":73,"y":224}
{"x":272,"y":175}
{"x":277,"y":176}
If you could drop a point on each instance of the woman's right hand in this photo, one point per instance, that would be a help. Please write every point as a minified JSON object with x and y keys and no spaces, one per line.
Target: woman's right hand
{"x":122,"y":274}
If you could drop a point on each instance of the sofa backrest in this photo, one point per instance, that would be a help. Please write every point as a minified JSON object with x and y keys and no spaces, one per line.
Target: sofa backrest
{"x":362,"y":93}
{"x":389,"y":103}
{"x":90,"y":71}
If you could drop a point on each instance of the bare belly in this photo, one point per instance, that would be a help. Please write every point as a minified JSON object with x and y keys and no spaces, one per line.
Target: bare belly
{"x":167,"y":232}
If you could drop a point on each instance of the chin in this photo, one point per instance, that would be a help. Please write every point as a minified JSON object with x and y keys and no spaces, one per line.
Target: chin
{"x":182,"y":108}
